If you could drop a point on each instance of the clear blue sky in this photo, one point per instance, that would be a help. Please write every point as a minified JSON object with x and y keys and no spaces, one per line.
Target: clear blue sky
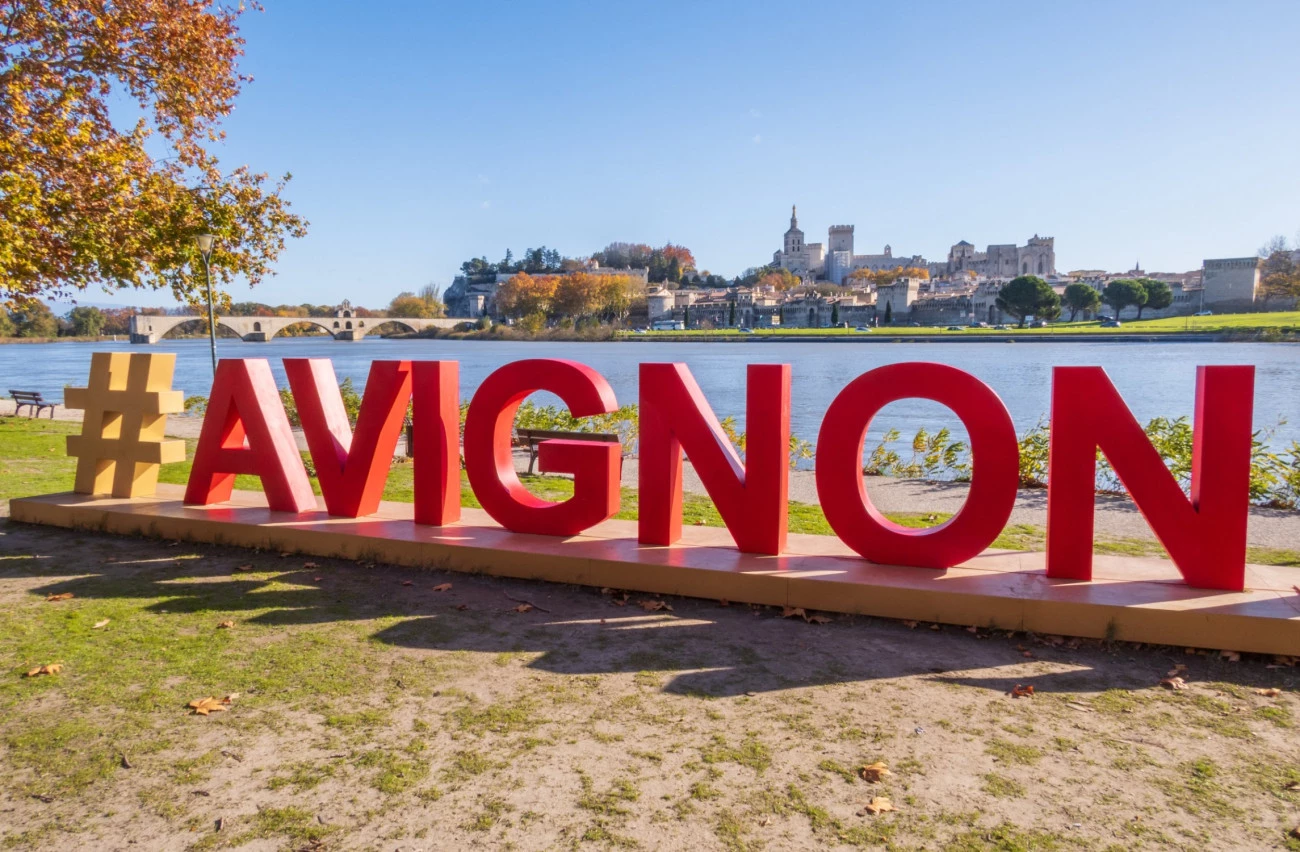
{"x":422,"y":134}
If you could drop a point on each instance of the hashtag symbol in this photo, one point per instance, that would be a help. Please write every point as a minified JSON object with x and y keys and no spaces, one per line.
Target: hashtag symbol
{"x":126,"y":403}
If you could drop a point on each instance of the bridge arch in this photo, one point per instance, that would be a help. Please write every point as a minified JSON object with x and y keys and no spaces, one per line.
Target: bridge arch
{"x":171,"y":324}
{"x":302,"y":321}
{"x":380,"y":322}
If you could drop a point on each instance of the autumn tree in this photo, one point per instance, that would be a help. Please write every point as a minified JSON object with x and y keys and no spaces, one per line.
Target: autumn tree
{"x":885,"y":277}
{"x":407,"y":304}
{"x":1159,"y":295}
{"x":86,"y":200}
{"x":1279,"y":275}
{"x":1123,"y":292}
{"x":778,"y":279}
{"x":1028,"y":296}
{"x":1080,"y":297}
{"x":523,"y":294}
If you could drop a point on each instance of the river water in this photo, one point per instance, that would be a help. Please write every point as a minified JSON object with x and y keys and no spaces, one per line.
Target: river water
{"x":1156,"y":379}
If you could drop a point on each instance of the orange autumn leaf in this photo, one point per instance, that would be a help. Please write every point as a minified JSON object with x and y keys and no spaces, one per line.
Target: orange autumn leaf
{"x":63,"y":596}
{"x":226,"y":625}
{"x":204,"y":706}
{"x":656,"y":606}
{"x":99,"y":624}
{"x":874,"y":772}
{"x":1271,"y":692}
{"x":442,"y":587}
{"x":1019,"y":691}
{"x":793,"y":612}
{"x":910,"y":625}
{"x":1173,"y":683}
{"x":524,"y":607}
{"x":879,"y":805}
{"x":50,"y":669}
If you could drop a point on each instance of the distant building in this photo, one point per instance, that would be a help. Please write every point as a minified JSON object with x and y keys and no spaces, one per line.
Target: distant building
{"x":1231,"y":281}
{"x":1037,"y":257}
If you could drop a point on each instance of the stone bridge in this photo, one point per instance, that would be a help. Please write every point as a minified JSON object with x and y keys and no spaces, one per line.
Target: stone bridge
{"x":151,"y":329}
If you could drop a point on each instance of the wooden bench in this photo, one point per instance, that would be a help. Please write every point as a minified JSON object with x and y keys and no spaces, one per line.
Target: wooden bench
{"x":33,"y":400}
{"x":530,"y":438}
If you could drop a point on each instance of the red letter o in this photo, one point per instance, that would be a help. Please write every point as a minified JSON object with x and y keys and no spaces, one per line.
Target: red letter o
{"x":994,"y":456}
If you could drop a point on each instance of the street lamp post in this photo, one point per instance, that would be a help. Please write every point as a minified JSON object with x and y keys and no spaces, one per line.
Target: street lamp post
{"x":205,"y":242}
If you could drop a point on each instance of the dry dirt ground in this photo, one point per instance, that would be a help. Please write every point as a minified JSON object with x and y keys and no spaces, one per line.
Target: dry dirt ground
{"x":374,"y":711}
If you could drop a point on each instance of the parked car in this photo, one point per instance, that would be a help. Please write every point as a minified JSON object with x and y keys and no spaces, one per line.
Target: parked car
{"x":979,"y":325}
{"x":745,"y":330}
{"x":1104,"y":318}
{"x":1205,"y":313}
{"x":862,"y":328}
{"x":1111,"y":324}
{"x":1000,"y":327}
{"x":954,"y":328}
{"x":639,"y":331}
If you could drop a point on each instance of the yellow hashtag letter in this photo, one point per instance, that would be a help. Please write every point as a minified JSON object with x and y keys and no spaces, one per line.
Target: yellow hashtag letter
{"x":121,"y":444}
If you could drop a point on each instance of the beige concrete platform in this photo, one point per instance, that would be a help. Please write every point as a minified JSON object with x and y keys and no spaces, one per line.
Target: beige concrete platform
{"x":1133,"y":599}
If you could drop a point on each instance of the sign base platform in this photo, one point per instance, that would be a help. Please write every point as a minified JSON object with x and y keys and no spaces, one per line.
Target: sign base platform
{"x":1133,"y":599}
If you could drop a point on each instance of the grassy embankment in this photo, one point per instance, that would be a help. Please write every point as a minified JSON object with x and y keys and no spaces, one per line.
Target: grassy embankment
{"x":1282,"y":323}
{"x":375,"y":708}
{"x":33,"y":461}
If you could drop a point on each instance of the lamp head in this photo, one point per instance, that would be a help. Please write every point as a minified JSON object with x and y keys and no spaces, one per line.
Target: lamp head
{"x":205,"y":242}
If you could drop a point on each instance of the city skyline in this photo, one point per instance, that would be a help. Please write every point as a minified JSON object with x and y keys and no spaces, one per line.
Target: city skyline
{"x":419,"y":138}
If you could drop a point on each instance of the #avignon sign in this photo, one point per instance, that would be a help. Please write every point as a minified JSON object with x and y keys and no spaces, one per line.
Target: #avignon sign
{"x":246,"y":431}
{"x":877,"y":567}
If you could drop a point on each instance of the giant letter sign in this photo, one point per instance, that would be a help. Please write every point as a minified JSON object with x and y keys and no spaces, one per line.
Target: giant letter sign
{"x":490,"y":464}
{"x":1206,"y":535}
{"x":245,"y":403}
{"x":435,"y":442}
{"x":994,"y":477}
{"x":751,"y":497}
{"x":351,"y":469}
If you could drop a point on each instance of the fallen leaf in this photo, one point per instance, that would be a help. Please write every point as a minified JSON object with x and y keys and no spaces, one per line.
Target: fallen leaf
{"x":878,"y":805}
{"x":606,"y":590}
{"x":44,"y":797}
{"x":932,"y":627}
{"x":204,"y":706}
{"x":873,"y":772}
{"x":817,"y":619}
{"x":230,"y":699}
{"x":523,"y":608}
{"x":50,"y":669}
{"x":1019,"y":691}
{"x":620,"y":601}
{"x":442,"y":587}
{"x":408,"y":583}
{"x":1271,"y":692}
{"x":1230,"y":656}
{"x":975,"y":630}
{"x":126,"y":764}
{"x":310,"y":566}
{"x":99,"y":624}
{"x":793,"y":612}
{"x":656,"y":606}
{"x":225,"y":625}
{"x":243,"y":567}
{"x":59,"y":597}
{"x":910,"y":625}
{"x":1293,"y":787}
{"x":1173,"y":683}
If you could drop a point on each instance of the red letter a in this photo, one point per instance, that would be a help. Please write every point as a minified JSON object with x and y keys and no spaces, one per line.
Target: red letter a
{"x":351,"y":469}
{"x":1206,"y":536}
{"x":245,"y":402}
{"x":751,"y":497}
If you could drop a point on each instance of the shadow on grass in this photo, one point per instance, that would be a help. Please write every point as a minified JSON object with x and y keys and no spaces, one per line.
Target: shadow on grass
{"x":701,"y":648}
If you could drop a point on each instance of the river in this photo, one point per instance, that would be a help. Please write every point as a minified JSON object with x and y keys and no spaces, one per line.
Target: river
{"x":1156,"y":379}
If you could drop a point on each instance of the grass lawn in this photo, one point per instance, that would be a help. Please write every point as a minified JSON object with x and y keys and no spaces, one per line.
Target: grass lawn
{"x":1288,"y":321}
{"x":380,"y":708}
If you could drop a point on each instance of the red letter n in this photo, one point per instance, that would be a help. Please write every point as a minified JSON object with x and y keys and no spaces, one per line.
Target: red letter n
{"x":751,"y":497}
{"x":1204,"y":536}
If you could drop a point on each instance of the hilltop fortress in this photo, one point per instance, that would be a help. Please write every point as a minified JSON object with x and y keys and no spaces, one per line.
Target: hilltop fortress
{"x":835,"y":259}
